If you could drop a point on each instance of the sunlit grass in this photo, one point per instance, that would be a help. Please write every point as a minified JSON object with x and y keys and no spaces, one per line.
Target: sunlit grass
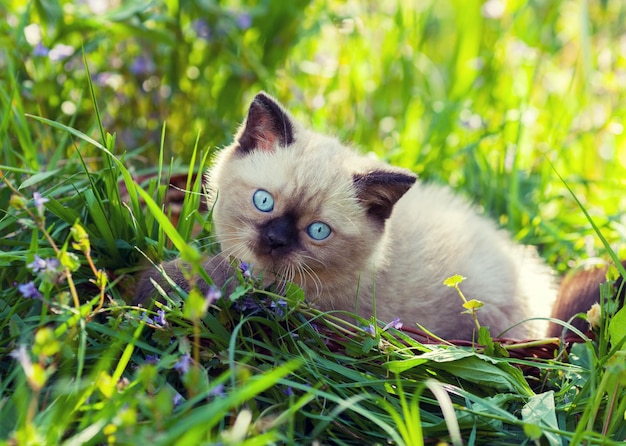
{"x":493,"y":98}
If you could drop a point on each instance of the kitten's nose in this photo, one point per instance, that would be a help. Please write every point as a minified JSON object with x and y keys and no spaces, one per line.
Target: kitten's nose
{"x":276,"y":239}
{"x":280,"y":232}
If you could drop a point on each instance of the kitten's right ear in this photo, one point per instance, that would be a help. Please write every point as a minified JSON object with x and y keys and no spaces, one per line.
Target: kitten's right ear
{"x":267,"y":124}
{"x":379,"y":190}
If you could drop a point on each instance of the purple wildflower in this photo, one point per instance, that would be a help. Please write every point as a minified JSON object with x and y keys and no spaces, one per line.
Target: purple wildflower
{"x":217,"y":390}
{"x":393,"y":324}
{"x":202,"y":29}
{"x":48,"y":269}
{"x":37,"y":265}
{"x":160,"y":319}
{"x":40,"y":50}
{"x":370,"y":329}
{"x":182,"y":366}
{"x":177,"y":399}
{"x":29,"y":290}
{"x":142,"y":65}
{"x":21,"y":355}
{"x":288,"y":391}
{"x":147,"y":319}
{"x":152,"y":359}
{"x":246,"y":304}
{"x":102,"y":79}
{"x":52,"y":265}
{"x":39,"y":202}
{"x":213,"y":295}
{"x":279,"y":307}
{"x":246,"y":270}
{"x":243,"y":20}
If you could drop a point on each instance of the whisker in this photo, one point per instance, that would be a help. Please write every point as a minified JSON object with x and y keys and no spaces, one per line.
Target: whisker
{"x":316,"y":280}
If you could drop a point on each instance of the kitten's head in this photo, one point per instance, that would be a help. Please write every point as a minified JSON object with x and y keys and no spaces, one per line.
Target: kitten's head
{"x":299,"y":204}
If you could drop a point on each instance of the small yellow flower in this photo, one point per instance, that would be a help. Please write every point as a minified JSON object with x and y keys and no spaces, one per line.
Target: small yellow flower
{"x":593,"y":316}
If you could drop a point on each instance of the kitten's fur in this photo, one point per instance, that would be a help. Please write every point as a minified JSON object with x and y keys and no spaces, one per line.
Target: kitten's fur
{"x":393,"y":240}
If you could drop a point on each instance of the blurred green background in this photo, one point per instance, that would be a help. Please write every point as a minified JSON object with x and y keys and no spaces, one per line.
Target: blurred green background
{"x":487,"y":96}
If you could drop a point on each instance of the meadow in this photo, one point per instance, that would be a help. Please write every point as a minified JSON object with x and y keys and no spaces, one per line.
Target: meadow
{"x":517,"y":105}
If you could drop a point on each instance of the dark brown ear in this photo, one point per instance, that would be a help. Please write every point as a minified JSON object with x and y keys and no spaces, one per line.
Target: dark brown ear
{"x":267,"y":124}
{"x":379,"y":191}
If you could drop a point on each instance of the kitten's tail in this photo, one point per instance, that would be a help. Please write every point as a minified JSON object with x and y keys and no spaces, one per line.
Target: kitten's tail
{"x":578,"y":292}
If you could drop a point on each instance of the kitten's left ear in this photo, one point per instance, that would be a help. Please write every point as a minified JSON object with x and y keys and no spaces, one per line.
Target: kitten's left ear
{"x":266,"y":125}
{"x":379,"y":190}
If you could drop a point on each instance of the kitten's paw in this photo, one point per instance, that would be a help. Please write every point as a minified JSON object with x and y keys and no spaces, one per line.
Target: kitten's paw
{"x":176,"y":271}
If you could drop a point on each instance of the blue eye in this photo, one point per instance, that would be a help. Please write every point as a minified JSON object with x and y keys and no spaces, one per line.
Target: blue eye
{"x":318,"y":230}
{"x":263,"y":200}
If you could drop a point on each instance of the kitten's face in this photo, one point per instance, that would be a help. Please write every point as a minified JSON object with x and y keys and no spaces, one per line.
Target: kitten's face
{"x":295,"y":203}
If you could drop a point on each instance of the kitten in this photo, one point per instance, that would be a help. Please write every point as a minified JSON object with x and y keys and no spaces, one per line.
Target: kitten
{"x":360,"y":235}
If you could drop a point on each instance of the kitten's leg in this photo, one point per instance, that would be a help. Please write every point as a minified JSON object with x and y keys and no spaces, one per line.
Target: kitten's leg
{"x":577,"y":294}
{"x":218,"y":268}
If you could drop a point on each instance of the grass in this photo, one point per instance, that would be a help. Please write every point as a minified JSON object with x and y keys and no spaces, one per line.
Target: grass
{"x":501,"y":104}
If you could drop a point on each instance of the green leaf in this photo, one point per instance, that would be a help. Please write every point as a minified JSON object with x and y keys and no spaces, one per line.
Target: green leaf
{"x":240,"y":291}
{"x":162,"y":337}
{"x":479,"y":369}
{"x":219,"y":334}
{"x":402,"y":365}
{"x":293,"y":293}
{"x":68,"y":215}
{"x":210,"y":415}
{"x":195,"y":305}
{"x":38,"y":178}
{"x":500,"y":376}
{"x":538,"y":414}
{"x":532,"y":431}
{"x":617,"y":328}
{"x":368,"y":344}
{"x":187,"y":252}
{"x":485,"y":339}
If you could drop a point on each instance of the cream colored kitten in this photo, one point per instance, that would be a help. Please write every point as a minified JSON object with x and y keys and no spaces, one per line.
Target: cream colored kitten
{"x":359,"y":235}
